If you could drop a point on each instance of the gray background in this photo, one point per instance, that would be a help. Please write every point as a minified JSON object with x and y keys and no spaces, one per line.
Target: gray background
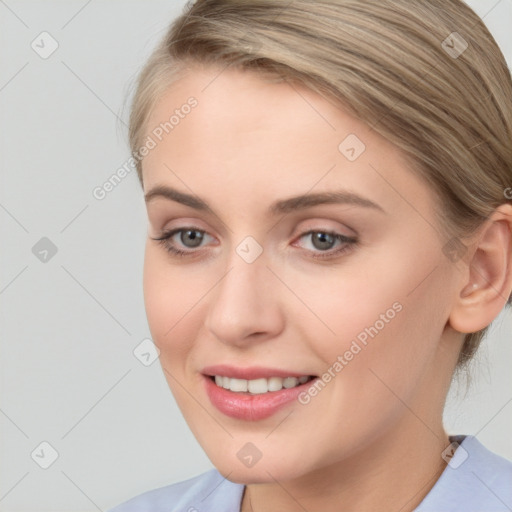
{"x":70,"y":325}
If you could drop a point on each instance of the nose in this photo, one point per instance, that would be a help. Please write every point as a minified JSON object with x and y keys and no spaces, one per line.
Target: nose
{"x":245,"y":305}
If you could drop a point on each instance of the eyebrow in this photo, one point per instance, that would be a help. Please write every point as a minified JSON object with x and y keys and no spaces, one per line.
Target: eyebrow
{"x":280,"y":207}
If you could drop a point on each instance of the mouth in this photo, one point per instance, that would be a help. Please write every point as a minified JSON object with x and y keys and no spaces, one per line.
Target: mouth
{"x":259,"y":386}
{"x":252,"y":394}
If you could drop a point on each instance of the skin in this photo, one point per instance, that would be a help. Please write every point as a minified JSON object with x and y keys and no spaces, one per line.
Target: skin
{"x":372,"y":438}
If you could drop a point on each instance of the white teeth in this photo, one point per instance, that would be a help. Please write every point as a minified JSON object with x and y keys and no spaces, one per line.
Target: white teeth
{"x":275,"y":384}
{"x":290,"y":382}
{"x":237,"y":384}
{"x":259,"y":386}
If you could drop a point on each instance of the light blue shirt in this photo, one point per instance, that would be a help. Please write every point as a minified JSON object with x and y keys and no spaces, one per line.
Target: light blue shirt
{"x":475,"y":480}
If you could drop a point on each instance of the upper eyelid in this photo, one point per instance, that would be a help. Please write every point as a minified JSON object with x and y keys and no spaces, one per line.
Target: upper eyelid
{"x":322,"y":228}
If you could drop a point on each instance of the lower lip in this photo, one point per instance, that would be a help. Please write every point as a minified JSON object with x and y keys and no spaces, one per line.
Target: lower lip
{"x":251,"y":407}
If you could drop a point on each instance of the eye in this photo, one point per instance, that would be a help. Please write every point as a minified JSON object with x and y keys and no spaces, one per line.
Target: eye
{"x":322,"y":243}
{"x":189,"y":237}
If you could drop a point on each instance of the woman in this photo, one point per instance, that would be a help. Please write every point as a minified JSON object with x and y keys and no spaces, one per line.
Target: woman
{"x":329,"y":238}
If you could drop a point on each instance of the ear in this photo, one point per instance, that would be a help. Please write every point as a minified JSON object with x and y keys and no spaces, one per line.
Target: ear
{"x":487,"y":283}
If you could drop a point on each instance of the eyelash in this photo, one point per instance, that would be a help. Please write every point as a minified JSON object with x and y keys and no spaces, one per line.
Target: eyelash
{"x":348,"y":242}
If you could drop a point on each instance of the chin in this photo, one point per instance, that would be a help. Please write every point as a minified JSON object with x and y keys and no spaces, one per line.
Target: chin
{"x":260,"y":475}
{"x":264,"y":471}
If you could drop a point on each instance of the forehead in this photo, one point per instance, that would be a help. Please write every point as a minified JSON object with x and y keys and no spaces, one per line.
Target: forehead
{"x":237,"y":112}
{"x":241,"y":102}
{"x":254,"y":134}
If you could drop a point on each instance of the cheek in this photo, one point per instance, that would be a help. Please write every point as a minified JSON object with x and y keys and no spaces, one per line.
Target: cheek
{"x":393,"y":367}
{"x":171,"y":300}
{"x":386,"y":316}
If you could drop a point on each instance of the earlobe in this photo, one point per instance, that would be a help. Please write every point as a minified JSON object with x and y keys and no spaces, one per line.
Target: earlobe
{"x":488,"y":281}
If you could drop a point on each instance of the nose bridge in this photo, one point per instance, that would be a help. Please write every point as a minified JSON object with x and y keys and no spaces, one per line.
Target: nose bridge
{"x":243,"y":303}
{"x":247,"y":272}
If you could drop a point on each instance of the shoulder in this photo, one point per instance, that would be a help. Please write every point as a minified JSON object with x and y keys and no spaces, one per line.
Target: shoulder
{"x":475,"y":479}
{"x":206,"y":492}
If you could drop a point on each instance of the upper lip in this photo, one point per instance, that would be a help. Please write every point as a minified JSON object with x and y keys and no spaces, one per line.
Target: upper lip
{"x":250,"y":373}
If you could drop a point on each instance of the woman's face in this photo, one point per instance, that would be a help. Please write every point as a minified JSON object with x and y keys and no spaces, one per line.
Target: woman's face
{"x":352,"y":288}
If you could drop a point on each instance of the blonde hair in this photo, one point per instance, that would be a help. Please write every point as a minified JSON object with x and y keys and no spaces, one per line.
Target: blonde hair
{"x":426,"y":75}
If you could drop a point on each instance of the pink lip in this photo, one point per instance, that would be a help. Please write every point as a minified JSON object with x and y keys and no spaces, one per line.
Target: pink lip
{"x":251,"y":373}
{"x":248,"y":407}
